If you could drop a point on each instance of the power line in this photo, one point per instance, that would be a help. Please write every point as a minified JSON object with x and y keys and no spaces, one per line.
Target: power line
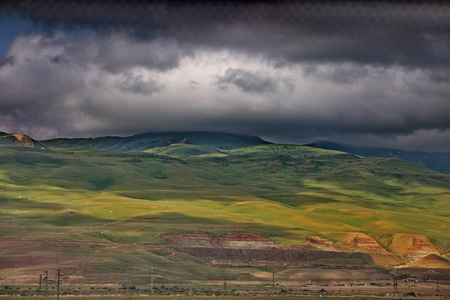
{"x":273,"y":279}
{"x":46,"y":284}
{"x":151,"y":281}
{"x":59,"y":279}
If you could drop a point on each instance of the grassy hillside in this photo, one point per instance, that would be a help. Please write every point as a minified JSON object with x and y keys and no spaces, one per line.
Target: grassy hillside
{"x":184,"y":151}
{"x":6,"y":139}
{"x":133,"y":197}
{"x":436,"y":161}
{"x":284,"y":149}
{"x":142,"y":142}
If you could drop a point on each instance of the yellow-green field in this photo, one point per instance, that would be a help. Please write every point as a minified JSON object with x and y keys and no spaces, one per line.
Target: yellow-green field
{"x":132,"y":197}
{"x":286,"y":196}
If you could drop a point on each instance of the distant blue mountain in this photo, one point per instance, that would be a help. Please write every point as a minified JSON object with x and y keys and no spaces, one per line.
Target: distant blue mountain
{"x":436,"y":161}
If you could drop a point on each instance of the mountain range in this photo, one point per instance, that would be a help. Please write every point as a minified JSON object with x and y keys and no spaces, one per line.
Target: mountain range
{"x":182,"y":144}
{"x":437,"y":161}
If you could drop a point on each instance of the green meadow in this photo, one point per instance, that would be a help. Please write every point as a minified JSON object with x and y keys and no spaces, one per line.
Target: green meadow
{"x":283,"y":192}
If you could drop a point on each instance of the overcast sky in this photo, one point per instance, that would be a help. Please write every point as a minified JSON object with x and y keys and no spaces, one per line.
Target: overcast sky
{"x":374,"y":73}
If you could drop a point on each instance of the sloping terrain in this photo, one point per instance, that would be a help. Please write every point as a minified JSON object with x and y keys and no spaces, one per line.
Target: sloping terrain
{"x":141,"y":142}
{"x":239,"y":246}
{"x":431,"y":261}
{"x":185,"y":150}
{"x":296,"y":204}
{"x":19,"y":140}
{"x":436,"y":161}
{"x":412,"y":245}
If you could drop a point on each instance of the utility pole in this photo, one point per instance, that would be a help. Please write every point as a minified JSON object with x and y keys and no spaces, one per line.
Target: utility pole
{"x":40,"y":281}
{"x":59,"y":275}
{"x":46,"y":284}
{"x":225,"y":284}
{"x":151,"y":281}
{"x":437,"y":284}
{"x":395,"y":286}
{"x":273,"y":279}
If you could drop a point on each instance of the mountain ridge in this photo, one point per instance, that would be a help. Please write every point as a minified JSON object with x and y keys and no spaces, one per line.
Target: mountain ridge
{"x":201,"y":143}
{"x":149,"y":140}
{"x":437,"y":161}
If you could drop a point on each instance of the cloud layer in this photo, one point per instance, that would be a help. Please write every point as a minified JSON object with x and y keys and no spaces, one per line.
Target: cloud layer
{"x":367,"y":73}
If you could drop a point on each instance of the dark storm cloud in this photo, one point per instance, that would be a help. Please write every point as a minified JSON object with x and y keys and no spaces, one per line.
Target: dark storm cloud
{"x":56,"y":59}
{"x":288,"y":71}
{"x":344,"y":74}
{"x":414,"y":34}
{"x":7,"y":61}
{"x":118,"y":52}
{"x":442,"y":77}
{"x":303,"y":123}
{"x":136,"y":84}
{"x":247,"y":81}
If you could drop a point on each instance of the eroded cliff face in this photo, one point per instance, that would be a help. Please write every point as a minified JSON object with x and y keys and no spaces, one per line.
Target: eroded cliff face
{"x":236,"y":247}
{"x":232,"y":239}
{"x":364,"y":243}
{"x":350,"y":249}
{"x":419,"y":252}
{"x":321,"y":243}
{"x":414,"y":246}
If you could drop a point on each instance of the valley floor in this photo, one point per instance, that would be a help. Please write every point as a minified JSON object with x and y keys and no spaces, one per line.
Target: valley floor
{"x":235,"y":290}
{"x":113,"y":271}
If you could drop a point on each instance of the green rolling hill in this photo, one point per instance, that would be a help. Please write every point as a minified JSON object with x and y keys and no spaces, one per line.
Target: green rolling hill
{"x":291,"y":195}
{"x":288,"y":196}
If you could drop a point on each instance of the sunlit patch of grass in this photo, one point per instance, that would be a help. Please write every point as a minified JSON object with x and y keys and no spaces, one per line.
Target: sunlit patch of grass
{"x":284,"y":192}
